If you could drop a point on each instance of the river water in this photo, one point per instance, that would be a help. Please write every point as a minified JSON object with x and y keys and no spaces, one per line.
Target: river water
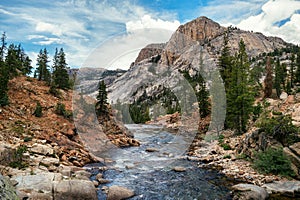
{"x":151,"y":174}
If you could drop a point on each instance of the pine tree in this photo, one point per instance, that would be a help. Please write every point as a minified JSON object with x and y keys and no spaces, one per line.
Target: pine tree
{"x":279,"y":77}
{"x":292,"y":68}
{"x":25,"y":62}
{"x":3,"y":46}
{"x":12,"y":61}
{"x":297,"y":75}
{"x":202,"y":94}
{"x":4,"y":75}
{"x":268,"y":80}
{"x":202,"y":97}
{"x":240,"y":97}
{"x":225,"y":61}
{"x":60,"y":73}
{"x":101,"y":104}
{"x":43,"y":73}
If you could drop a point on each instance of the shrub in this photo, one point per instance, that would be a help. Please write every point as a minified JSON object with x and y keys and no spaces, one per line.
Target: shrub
{"x":18,"y":161}
{"x":280,"y":128}
{"x":61,"y":110}
{"x":54,"y":91}
{"x":273,"y":161}
{"x":227,"y":156}
{"x":27,"y":139}
{"x":226,"y":146}
{"x":38,"y":112}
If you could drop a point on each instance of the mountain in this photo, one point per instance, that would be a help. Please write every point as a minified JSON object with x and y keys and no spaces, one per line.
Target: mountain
{"x":160,"y":65}
{"x":88,"y":78}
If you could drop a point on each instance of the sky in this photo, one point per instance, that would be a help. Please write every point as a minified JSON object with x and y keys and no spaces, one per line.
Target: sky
{"x":110,"y":33}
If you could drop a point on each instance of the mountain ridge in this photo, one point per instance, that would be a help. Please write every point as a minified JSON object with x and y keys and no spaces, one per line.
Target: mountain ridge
{"x":182,"y":52}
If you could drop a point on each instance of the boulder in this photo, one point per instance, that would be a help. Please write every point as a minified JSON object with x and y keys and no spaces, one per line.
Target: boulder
{"x":48,"y":161}
{"x":293,"y":157}
{"x":284,"y":188}
{"x":74,"y":190}
{"x":295,"y":148}
{"x":248,"y":191}
{"x":39,"y":186}
{"x":179,"y":169}
{"x":118,"y":193}
{"x":41,"y":149}
{"x":283,"y":96}
{"x":6,"y":189}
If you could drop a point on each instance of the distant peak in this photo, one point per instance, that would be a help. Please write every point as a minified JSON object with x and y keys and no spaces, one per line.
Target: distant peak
{"x":201,"y":29}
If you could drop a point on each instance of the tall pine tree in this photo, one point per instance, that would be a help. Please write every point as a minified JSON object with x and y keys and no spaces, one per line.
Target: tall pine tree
{"x":225,"y":61}
{"x":4,"y":73}
{"x":60,"y":73}
{"x":42,"y":72}
{"x":101,"y":104}
{"x":280,"y":74}
{"x":201,"y":93}
{"x":240,"y":97}
{"x":297,"y":75}
{"x":268,"y":80}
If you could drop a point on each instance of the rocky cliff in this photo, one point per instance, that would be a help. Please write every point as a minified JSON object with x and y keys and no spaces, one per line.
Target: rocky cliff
{"x":159,"y":64}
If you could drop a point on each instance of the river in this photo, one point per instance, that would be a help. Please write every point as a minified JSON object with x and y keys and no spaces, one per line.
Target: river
{"x":148,"y":169}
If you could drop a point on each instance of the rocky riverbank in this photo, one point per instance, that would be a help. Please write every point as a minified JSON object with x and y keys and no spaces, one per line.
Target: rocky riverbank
{"x":232,"y":154}
{"x":43,"y":156}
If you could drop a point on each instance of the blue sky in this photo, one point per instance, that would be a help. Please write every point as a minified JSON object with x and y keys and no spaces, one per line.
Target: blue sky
{"x":81,"y":26}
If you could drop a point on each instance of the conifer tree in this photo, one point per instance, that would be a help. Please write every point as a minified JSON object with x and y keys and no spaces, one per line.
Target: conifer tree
{"x":12,"y":61}
{"x":240,"y":97}
{"x":225,"y":61}
{"x":4,"y":77}
{"x":202,"y":97}
{"x":43,"y":73}
{"x":17,"y":61}
{"x":292,"y":68}
{"x":202,"y":94}
{"x":297,"y":75}
{"x":279,"y":77}
{"x":268,"y":80}
{"x":101,"y":104}
{"x":60,"y":73}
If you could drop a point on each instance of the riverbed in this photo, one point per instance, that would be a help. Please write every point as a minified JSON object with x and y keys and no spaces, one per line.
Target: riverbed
{"x":149,"y":169}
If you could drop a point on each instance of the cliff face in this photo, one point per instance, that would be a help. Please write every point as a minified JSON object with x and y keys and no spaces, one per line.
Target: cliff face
{"x":158,"y":64}
{"x":149,"y":51}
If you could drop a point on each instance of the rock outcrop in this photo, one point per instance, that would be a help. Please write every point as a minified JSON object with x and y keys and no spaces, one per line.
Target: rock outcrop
{"x":249,"y":191}
{"x":49,"y":185}
{"x":151,"y":50}
{"x":200,"y":37}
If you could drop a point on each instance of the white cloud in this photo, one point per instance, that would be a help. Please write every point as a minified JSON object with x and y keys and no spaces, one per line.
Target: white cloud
{"x":50,"y":28}
{"x":230,"y":11}
{"x":273,"y":13}
{"x":120,"y":51}
{"x":77,"y":25}
{"x":148,"y":22}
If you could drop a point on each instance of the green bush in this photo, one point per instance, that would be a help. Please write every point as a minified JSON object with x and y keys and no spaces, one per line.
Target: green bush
{"x":61,"y":110}
{"x":225,"y":146}
{"x":273,"y":161}
{"x":27,"y":139}
{"x":38,"y":112}
{"x":54,"y":91}
{"x":18,"y":161}
{"x":227,"y":156}
{"x":280,"y":128}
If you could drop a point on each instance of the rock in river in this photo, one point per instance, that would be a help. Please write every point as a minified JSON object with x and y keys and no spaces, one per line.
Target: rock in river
{"x":117,"y":193}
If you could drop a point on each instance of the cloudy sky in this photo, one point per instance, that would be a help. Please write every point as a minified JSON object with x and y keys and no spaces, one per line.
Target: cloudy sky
{"x":121,"y":28}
